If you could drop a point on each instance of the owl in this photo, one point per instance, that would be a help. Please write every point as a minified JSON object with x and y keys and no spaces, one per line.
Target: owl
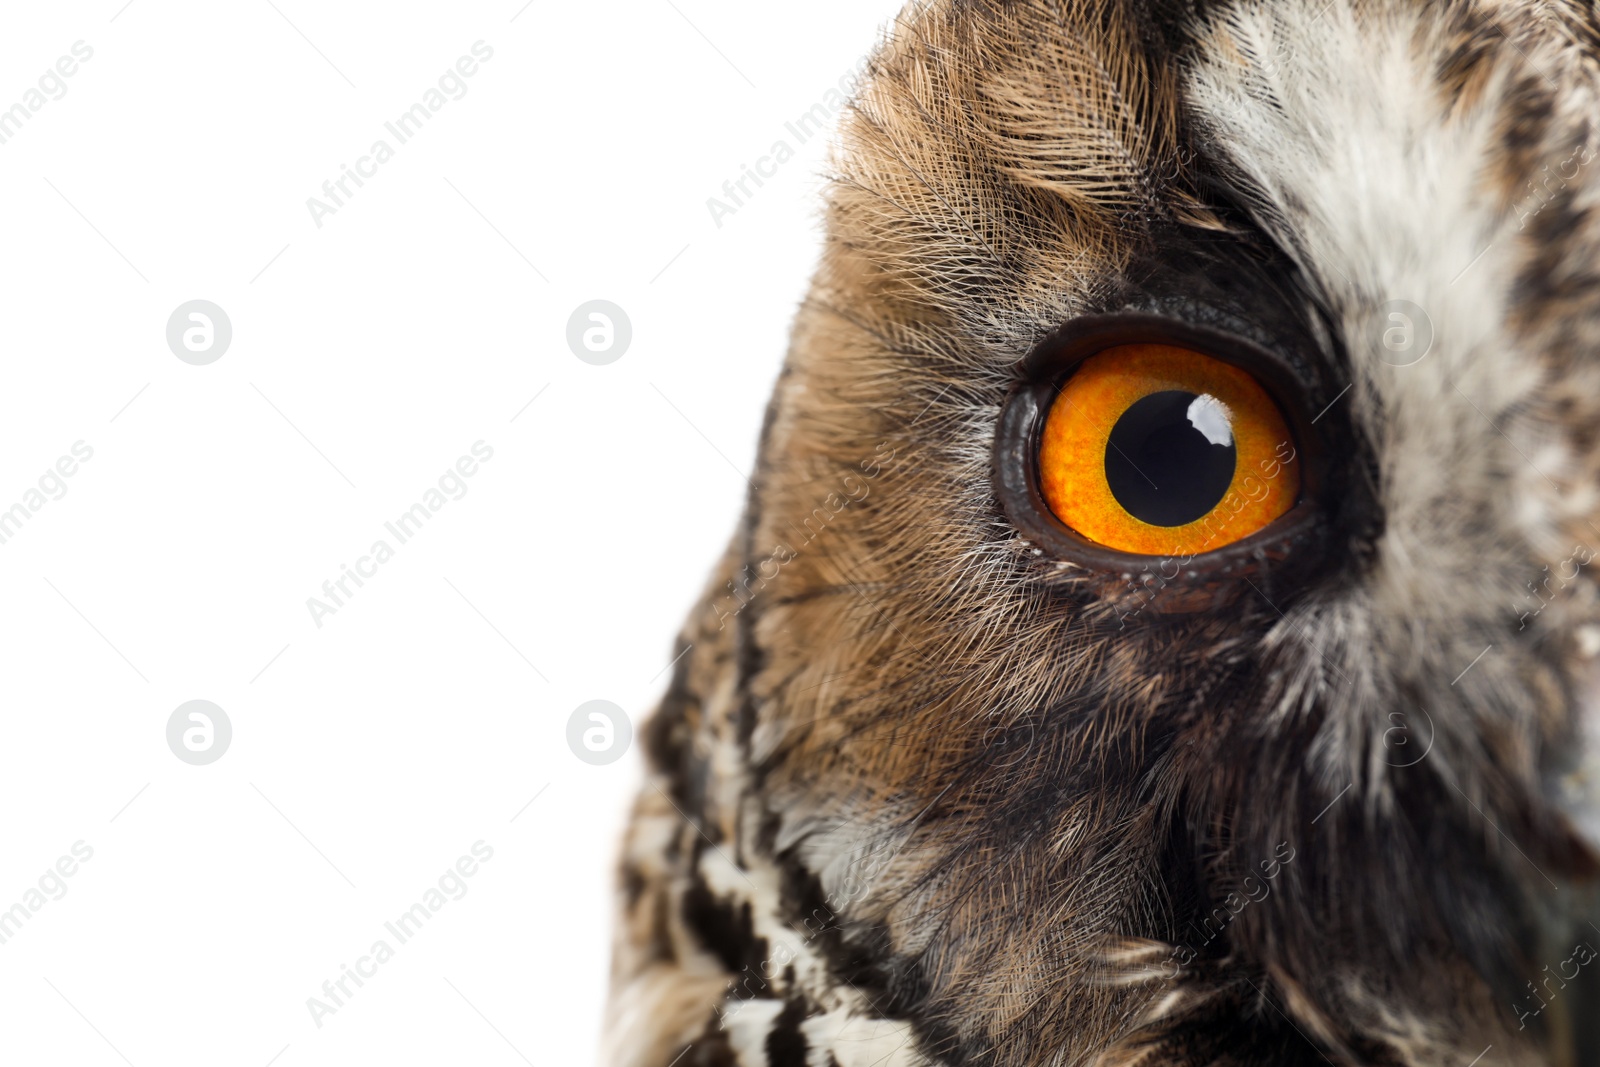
{"x":1163,"y":629}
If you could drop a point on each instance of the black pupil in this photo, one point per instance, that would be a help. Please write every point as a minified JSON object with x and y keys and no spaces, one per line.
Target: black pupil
{"x":1162,"y":463}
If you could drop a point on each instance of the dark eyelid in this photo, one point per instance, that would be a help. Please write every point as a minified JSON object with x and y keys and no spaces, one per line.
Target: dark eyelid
{"x":1078,"y":339}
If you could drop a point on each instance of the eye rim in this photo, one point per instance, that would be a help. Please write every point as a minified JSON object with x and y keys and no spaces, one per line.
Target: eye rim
{"x":1207,"y":579}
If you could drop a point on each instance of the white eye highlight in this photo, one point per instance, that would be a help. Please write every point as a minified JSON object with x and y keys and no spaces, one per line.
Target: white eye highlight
{"x":1212,"y":418}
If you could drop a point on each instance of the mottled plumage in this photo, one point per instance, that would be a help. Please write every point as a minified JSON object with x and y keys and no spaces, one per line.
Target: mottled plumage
{"x":925,"y":792}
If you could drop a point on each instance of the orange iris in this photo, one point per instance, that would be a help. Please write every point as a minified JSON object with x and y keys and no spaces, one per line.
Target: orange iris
{"x":1159,"y":450}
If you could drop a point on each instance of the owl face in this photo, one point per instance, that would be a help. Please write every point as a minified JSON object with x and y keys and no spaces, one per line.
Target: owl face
{"x":1164,"y":628}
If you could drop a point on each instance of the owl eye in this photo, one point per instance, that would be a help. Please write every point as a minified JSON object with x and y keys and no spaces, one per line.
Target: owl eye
{"x":1155,"y":449}
{"x":1173,"y":464}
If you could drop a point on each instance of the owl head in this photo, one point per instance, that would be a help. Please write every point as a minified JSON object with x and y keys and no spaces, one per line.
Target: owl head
{"x":1164,"y":628}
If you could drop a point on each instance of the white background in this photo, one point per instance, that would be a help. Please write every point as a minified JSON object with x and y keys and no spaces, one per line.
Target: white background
{"x":367,"y":356}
